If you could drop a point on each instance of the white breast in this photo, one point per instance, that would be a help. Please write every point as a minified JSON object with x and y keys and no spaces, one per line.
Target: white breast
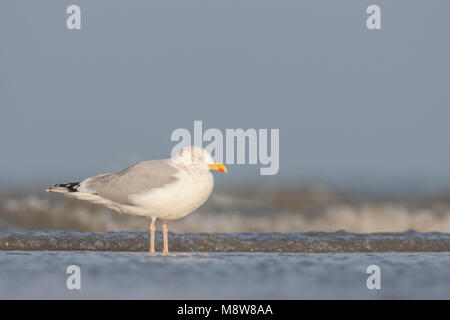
{"x":178,"y":199}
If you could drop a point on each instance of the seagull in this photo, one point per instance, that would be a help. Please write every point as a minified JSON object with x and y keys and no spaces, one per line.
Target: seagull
{"x":166,"y":189}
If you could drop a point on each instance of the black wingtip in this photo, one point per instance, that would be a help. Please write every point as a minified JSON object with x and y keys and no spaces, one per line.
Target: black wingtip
{"x":70,"y":186}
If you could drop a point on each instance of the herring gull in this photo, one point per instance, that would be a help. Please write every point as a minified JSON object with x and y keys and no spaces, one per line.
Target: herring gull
{"x":166,"y":189}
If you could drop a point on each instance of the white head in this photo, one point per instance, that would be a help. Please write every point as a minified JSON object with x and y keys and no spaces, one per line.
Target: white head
{"x":197,"y":156}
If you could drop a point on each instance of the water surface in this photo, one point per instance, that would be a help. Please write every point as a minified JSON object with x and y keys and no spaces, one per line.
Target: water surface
{"x":41,"y":274}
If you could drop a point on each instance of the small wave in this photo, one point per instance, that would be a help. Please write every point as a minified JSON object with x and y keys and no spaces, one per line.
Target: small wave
{"x":319,"y":242}
{"x":232,"y":213}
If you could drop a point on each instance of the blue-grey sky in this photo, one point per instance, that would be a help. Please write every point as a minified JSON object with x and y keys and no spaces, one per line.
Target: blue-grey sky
{"x":353,"y":106}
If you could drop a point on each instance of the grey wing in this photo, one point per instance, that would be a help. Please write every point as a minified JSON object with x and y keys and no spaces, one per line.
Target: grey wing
{"x":118,"y":187}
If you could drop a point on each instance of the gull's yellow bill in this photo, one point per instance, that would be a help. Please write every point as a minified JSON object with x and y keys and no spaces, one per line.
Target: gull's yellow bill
{"x":218,"y":166}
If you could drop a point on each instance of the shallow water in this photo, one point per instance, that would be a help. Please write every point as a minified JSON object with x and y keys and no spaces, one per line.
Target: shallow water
{"x":42,"y":274}
{"x":341,"y":241}
{"x":241,"y":245}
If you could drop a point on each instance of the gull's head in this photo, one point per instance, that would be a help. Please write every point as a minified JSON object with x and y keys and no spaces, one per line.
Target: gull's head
{"x":199,"y":157}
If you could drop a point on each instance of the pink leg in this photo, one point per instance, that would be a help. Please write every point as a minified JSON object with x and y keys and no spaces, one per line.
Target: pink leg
{"x":165,"y":234}
{"x":152,"y":236}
